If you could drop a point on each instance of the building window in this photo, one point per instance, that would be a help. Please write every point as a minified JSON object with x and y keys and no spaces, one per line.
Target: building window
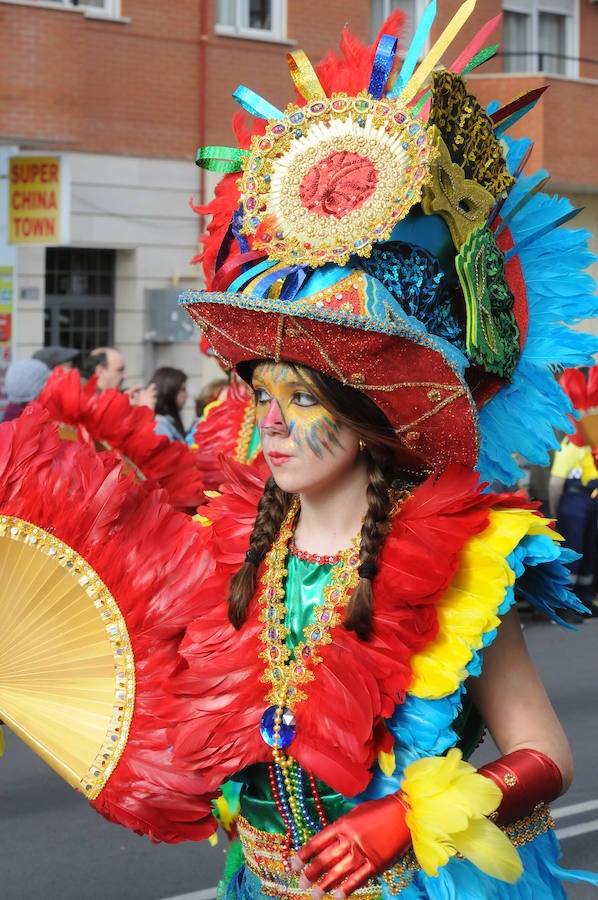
{"x":103,"y":7}
{"x":541,"y":36}
{"x":252,"y":18}
{"x":79,"y":308}
{"x":412,"y":9}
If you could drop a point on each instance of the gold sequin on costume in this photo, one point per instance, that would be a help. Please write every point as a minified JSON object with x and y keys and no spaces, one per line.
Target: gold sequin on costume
{"x":264,"y":858}
{"x":284,"y":674}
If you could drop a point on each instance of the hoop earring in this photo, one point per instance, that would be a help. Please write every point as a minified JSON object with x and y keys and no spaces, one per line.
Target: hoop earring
{"x":362,"y":445}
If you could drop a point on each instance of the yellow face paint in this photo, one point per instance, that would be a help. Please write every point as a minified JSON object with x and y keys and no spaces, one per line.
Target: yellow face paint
{"x":286,"y":405}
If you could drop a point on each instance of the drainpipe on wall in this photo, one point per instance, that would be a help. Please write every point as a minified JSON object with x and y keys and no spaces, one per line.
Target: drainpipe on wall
{"x":203,"y":52}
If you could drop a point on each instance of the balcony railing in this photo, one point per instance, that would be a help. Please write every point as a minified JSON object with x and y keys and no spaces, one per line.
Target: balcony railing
{"x":551,"y":63}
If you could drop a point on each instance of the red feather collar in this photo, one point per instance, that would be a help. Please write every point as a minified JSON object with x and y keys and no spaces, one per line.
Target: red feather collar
{"x":218,"y":693}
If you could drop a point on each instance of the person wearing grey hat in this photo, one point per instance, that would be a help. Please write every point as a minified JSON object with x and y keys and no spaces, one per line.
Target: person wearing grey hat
{"x":55,"y":355}
{"x":23,"y":382}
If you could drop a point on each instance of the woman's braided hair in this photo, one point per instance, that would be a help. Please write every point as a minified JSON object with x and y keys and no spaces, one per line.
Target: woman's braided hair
{"x":375,"y":527}
{"x":272,"y":509}
{"x":387,"y":461}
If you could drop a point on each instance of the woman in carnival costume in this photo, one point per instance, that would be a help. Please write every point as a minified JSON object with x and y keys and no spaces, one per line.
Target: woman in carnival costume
{"x":382,"y":273}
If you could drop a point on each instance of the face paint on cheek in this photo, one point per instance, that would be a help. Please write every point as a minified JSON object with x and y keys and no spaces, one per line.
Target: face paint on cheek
{"x":318,"y":436}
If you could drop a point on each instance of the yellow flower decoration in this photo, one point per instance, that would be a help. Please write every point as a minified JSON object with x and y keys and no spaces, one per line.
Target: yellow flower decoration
{"x":448,"y":807}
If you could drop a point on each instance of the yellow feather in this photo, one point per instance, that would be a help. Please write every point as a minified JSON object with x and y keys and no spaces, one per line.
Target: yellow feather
{"x":448,"y":803}
{"x":387,"y":762}
{"x":468,"y":610}
{"x":488,"y":848}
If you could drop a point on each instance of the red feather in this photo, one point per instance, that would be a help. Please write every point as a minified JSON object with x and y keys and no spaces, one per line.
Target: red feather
{"x":217,"y":692}
{"x":108,"y":421}
{"x":87,"y":500}
{"x":350,"y":70}
{"x":218,"y":434}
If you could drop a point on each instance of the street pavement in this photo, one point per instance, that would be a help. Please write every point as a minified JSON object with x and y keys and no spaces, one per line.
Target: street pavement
{"x":53,"y":846}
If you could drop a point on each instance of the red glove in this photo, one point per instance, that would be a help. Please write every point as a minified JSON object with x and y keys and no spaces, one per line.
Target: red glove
{"x":360,"y":844}
{"x":526,"y":778}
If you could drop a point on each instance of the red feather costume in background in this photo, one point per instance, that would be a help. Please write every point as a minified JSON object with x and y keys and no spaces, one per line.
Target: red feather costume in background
{"x":108,"y":421}
{"x":152,"y":559}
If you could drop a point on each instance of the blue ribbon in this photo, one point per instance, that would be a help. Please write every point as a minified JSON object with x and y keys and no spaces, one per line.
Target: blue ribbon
{"x":264,"y":284}
{"x":236,"y":225}
{"x":415,"y":48}
{"x":256,"y":105}
{"x":242,"y":279}
{"x":385,"y":56}
{"x":293,"y":283}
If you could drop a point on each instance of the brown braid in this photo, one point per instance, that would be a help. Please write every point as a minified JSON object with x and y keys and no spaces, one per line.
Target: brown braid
{"x":271,"y":510}
{"x":376,"y":526}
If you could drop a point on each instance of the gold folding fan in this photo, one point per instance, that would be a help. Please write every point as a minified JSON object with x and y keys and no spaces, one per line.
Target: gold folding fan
{"x":67,"y":678}
{"x":98,"y":575}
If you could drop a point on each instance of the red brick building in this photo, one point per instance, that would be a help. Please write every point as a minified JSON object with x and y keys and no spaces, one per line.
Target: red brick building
{"x":123,"y":92}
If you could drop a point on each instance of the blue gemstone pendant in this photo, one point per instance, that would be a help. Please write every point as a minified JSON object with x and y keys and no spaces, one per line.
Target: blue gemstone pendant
{"x":286,"y":732}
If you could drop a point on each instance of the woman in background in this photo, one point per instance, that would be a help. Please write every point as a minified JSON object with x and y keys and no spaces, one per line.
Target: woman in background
{"x":171,"y":387}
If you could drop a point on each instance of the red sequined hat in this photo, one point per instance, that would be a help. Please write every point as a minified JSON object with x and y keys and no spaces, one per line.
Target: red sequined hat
{"x":380,"y":236}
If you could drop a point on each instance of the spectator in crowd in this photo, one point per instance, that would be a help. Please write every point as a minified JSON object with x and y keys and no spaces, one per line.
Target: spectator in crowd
{"x":109,"y":365}
{"x":56,"y":355}
{"x":573,"y":488}
{"x":171,"y":394}
{"x":212,"y":392}
{"x":24,"y":380}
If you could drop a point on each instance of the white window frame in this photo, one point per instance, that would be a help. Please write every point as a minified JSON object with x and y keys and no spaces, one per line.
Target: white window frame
{"x":110,"y":9}
{"x":236,"y":28}
{"x":418,"y":7}
{"x":569,"y":9}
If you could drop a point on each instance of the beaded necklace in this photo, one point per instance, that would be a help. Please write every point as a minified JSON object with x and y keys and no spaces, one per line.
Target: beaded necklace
{"x":287,"y":671}
{"x":312,"y":557}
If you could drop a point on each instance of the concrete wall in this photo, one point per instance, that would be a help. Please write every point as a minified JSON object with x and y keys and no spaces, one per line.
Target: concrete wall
{"x":140,"y":208}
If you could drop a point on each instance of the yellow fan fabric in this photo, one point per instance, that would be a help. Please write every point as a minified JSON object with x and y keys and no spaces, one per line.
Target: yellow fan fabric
{"x":66,"y":666}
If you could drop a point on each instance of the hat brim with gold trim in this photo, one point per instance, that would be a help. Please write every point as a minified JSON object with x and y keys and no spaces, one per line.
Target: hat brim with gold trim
{"x":350,"y":309}
{"x":388,"y":237}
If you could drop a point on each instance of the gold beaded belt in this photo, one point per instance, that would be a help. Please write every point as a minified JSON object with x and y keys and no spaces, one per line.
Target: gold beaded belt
{"x":264,"y":858}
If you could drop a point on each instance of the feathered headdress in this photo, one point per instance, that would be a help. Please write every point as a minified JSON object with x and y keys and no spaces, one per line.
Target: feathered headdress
{"x":381,"y":229}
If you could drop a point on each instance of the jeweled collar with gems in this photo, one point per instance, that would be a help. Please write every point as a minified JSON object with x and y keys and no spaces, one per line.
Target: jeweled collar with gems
{"x":286,"y":669}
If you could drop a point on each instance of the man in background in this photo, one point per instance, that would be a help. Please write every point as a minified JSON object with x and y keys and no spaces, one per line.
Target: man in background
{"x":109,"y":365}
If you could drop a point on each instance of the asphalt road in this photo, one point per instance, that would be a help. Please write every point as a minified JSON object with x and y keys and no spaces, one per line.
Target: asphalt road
{"x":53,"y":846}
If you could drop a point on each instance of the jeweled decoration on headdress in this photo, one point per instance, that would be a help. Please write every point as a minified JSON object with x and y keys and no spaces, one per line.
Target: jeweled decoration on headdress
{"x":332,"y":178}
{"x":383,"y":231}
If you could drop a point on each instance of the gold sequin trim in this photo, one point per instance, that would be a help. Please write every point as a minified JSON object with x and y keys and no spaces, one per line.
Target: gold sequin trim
{"x":530,"y":827}
{"x":241,"y":453}
{"x":285,"y":671}
{"x":263,"y":854}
